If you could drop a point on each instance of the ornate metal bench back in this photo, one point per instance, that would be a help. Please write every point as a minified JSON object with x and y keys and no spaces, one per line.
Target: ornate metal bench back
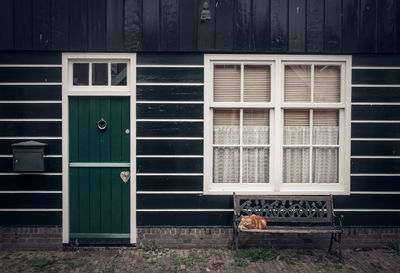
{"x":286,"y":208}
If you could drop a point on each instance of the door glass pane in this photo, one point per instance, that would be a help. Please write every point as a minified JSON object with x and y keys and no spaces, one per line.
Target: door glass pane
{"x":326,"y":83}
{"x":255,"y":165}
{"x":257,"y":83}
{"x":296,"y":127}
{"x":99,"y":74}
{"x":226,"y":126}
{"x":226,"y":83}
{"x":325,"y":165}
{"x":80,"y":74}
{"x":118,"y":74}
{"x":297,"y":83}
{"x":296,"y":165}
{"x":226,"y":165}
{"x":255,"y":126}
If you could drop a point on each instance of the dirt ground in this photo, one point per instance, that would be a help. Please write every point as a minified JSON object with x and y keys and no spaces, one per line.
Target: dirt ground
{"x":153,"y":258}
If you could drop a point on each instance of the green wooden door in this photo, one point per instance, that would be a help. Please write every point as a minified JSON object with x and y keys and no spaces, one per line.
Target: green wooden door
{"x":99,"y":198}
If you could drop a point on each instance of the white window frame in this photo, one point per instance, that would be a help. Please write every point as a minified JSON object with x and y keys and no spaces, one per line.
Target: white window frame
{"x":117,"y":90}
{"x":277,"y":106}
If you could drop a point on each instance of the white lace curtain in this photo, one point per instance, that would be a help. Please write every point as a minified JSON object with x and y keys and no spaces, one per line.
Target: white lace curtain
{"x":296,"y":161}
{"x":255,"y":160}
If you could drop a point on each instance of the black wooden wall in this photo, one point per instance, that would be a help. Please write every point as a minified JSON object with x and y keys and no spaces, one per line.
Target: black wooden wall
{"x":301,"y":26}
{"x":170,"y":133}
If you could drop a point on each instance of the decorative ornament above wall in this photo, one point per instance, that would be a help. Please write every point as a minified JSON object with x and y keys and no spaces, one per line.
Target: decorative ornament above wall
{"x":205,"y":12}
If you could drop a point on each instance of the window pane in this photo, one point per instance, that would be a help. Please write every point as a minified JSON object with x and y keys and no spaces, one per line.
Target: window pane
{"x":257,"y":83}
{"x":80,"y":74}
{"x":118,"y":74}
{"x":99,"y":74}
{"x":296,"y":165}
{"x":326,"y":83}
{"x":226,"y":126}
{"x":226,"y":83}
{"x":326,"y":127}
{"x":296,"y":127}
{"x":255,"y":165}
{"x":226,"y":165}
{"x":297,"y":83}
{"x":325,"y":165}
{"x":255,"y":126}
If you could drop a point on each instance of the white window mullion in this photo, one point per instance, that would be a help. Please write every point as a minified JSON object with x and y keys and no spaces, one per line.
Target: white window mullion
{"x":312,"y":83}
{"x":241,"y":82}
{"x":241,"y":148}
{"x":311,"y":143}
{"x":278,"y":122}
{"x":90,"y":73}
{"x":109,"y":74}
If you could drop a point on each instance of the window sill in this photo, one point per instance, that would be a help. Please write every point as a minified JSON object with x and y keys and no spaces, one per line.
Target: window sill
{"x":265,"y":189}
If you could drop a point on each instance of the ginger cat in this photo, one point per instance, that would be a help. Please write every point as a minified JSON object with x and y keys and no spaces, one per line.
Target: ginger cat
{"x":252,"y":222}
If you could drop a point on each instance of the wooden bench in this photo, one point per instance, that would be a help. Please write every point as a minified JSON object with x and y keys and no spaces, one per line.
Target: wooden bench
{"x":289,"y":214}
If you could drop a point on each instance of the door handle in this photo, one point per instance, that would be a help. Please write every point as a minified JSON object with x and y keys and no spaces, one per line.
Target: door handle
{"x":125,"y":175}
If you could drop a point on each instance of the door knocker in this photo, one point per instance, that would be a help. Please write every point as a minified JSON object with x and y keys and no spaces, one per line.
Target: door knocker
{"x":102,"y":124}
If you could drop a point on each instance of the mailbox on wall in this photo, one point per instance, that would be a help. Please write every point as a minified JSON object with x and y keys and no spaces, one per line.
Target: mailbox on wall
{"x":28,"y":156}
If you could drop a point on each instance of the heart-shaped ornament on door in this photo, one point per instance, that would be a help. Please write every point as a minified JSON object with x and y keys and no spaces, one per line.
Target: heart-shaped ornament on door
{"x":125,"y":176}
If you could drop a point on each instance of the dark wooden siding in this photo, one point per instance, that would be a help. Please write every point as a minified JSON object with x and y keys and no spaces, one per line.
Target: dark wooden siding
{"x":302,"y":26}
{"x":30,"y":109}
{"x":170,"y":144}
{"x":374,"y":180}
{"x":375,"y":145}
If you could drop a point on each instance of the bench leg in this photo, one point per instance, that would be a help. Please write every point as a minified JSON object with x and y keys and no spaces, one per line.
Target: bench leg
{"x":330,"y":244}
{"x":340,"y":247}
{"x":236,"y":239}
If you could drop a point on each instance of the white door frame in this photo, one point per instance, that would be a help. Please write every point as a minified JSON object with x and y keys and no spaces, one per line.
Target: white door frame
{"x":69,"y":90}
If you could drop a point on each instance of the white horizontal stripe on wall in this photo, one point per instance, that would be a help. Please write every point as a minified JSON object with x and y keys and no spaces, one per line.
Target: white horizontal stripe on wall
{"x":12,"y":192}
{"x":375,"y":85}
{"x":369,"y":210}
{"x":49,"y":156}
{"x":170,"y":83}
{"x":183,"y":210}
{"x":375,"y":67}
{"x":169,"y":174}
{"x":171,"y":65}
{"x":30,"y":209}
{"x":28,"y":173}
{"x":376,"y":103}
{"x":25,"y":119}
{"x":30,"y":65}
{"x":169,"y":192}
{"x":375,"y":192}
{"x":375,"y":139}
{"x":375,"y":121}
{"x":170,"y":120}
{"x":31,"y":101}
{"x":374,"y":156}
{"x":169,"y":156}
{"x":375,"y":174}
{"x":169,"y":138}
{"x":169,"y":101}
{"x":34,"y":137}
{"x":30,"y":83}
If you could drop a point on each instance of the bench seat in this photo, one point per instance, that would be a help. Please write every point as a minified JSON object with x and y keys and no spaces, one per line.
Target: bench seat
{"x":291,"y":229}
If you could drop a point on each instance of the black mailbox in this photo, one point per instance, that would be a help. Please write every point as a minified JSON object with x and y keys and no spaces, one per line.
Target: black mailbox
{"x":28,"y":156}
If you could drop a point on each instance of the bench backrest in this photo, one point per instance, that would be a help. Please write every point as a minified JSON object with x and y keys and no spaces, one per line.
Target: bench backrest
{"x":286,"y":208}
